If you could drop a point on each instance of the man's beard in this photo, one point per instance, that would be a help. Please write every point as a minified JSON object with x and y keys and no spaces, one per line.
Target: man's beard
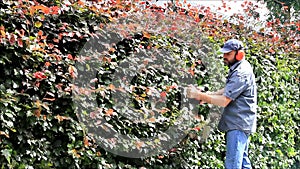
{"x":228,"y":63}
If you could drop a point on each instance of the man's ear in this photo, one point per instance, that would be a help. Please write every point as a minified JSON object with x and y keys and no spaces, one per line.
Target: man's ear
{"x":240,"y":54}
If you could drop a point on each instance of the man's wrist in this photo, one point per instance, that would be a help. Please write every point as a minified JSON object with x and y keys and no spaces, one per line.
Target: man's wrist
{"x":214,"y":93}
{"x":199,"y":95}
{"x":211,"y":93}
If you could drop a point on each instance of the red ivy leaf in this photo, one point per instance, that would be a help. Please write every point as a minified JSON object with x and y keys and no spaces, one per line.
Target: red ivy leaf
{"x":197,"y":128}
{"x":109,"y":112}
{"x":55,"y":9}
{"x":20,"y":42}
{"x":40,"y":33}
{"x":12,"y":39}
{"x":271,"y":50}
{"x":4,"y":134}
{"x":49,"y":99}
{"x":39,"y":75}
{"x":163,"y":94}
{"x":146,"y":35}
{"x":70,"y":57}
{"x":62,"y":118}
{"x":47,"y":64}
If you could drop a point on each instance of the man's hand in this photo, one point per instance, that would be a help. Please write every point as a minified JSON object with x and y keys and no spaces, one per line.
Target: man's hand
{"x":193,"y":92}
{"x":211,"y":98}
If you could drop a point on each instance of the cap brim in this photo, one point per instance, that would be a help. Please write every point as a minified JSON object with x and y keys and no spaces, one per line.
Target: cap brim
{"x":225,"y":50}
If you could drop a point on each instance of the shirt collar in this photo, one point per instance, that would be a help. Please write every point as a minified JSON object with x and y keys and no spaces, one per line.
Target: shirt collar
{"x":235,"y":65}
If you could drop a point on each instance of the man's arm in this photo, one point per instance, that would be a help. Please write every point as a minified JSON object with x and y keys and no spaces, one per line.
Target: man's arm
{"x":216,"y":99}
{"x":219,"y":92}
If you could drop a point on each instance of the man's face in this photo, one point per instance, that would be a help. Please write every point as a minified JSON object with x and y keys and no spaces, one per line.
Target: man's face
{"x":229,"y":58}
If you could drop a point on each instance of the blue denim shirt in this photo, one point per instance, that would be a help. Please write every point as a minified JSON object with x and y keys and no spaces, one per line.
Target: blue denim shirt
{"x":240,"y":113}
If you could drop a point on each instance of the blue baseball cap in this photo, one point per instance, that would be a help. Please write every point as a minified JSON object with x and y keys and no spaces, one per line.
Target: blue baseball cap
{"x":231,"y":45}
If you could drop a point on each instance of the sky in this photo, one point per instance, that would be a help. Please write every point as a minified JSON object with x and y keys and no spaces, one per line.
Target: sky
{"x":214,"y":4}
{"x":235,"y":6}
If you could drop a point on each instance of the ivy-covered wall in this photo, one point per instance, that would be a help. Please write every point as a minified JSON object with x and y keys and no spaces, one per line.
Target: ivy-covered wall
{"x":40,"y":59}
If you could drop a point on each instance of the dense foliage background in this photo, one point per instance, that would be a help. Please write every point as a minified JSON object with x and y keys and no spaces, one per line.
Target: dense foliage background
{"x":40,"y":43}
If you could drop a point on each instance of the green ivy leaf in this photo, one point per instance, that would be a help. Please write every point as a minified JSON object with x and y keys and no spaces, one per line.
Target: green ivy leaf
{"x":38,"y":24}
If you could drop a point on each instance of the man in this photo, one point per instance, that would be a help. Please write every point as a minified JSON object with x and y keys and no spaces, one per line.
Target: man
{"x":239,"y":99}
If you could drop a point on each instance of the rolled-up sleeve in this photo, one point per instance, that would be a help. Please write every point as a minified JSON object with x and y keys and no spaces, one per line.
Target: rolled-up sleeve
{"x":235,"y":86}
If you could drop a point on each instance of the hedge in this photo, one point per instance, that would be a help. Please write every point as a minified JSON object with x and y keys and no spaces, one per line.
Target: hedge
{"x":42,"y":44}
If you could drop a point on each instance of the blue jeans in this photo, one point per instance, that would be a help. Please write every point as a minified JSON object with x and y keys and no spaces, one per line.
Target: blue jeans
{"x":237,"y":150}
